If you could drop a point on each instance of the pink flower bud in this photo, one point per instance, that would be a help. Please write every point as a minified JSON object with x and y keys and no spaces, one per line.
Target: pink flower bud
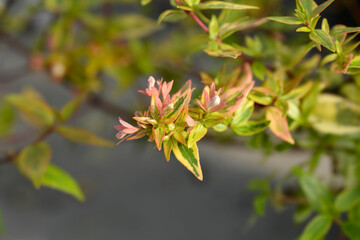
{"x":151,"y":82}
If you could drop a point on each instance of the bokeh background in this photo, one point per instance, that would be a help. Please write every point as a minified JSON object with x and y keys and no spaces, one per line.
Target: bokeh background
{"x":131,"y":191}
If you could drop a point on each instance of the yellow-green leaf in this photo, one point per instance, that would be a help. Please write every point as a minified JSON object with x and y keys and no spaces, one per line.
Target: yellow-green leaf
{"x":82,"y":136}
{"x":243,"y":113}
{"x":298,"y":93}
{"x":317,"y":228}
{"x":217,"y":49}
{"x":347,"y":199}
{"x":308,"y":5}
{"x":220,"y":127}
{"x":223,"y":5}
{"x":320,"y":8}
{"x":213,"y":28}
{"x":286,"y":20}
{"x":33,"y":162}
{"x":335,"y":115}
{"x":355,"y":63}
{"x":159,"y":134}
{"x":6,"y":118}
{"x":179,"y":104}
{"x":303,"y":29}
{"x":321,"y":37}
{"x":167,"y":149}
{"x":261,"y":98}
{"x":189,"y":157}
{"x":33,"y":108}
{"x":58,"y":179}
{"x":145,"y":2}
{"x":345,"y":30}
{"x":69,"y":109}
{"x":278,"y":124}
{"x":251,"y":127}
{"x":170,"y":13}
{"x":197,"y":133}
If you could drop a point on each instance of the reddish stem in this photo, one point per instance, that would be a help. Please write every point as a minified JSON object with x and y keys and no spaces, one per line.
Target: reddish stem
{"x":193,"y":16}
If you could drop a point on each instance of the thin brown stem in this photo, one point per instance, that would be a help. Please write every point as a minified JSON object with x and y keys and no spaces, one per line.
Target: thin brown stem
{"x":10,"y":157}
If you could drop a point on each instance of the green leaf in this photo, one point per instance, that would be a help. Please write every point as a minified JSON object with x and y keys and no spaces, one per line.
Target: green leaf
{"x":33,"y":108}
{"x":260,"y":203}
{"x":197,"y":133}
{"x":302,"y":213}
{"x":167,"y":149}
{"x":320,"y":8}
{"x":82,"y":136}
{"x":345,"y":30}
{"x":6,"y":118}
{"x":2,"y":230}
{"x":321,"y":37}
{"x":286,"y":20}
{"x":213,"y":28}
{"x":166,"y":14}
{"x":159,"y":134}
{"x":319,"y":197}
{"x":190,"y":3}
{"x":260,"y":98}
{"x":317,"y":228}
{"x":294,"y":111}
{"x":352,"y":229}
{"x":189,"y":157}
{"x":228,"y":28}
{"x":251,"y":127}
{"x":354,"y":213}
{"x":355,"y":63}
{"x":145,"y":2}
{"x":223,"y":5}
{"x":309,"y":101}
{"x":70,"y":108}
{"x":179,"y":104}
{"x":243,"y":113}
{"x":283,"y":106}
{"x":335,"y":115}
{"x":33,"y":162}
{"x":58,"y":179}
{"x":325,"y":25}
{"x":218,"y":49}
{"x":259,"y":69}
{"x":347,"y":199}
{"x":190,"y":9}
{"x":220,"y":127}
{"x":303,"y":29}
{"x":308,"y":6}
{"x":298,"y":93}
{"x":262,"y":185}
{"x":213,"y":119}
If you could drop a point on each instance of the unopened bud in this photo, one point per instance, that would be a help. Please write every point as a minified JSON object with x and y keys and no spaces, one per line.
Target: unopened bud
{"x":152,"y":121}
{"x":58,"y":69}
{"x":171,"y":126}
{"x":120,"y":135}
{"x":215,"y":101}
{"x":151,"y":82}
{"x":166,"y":138}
